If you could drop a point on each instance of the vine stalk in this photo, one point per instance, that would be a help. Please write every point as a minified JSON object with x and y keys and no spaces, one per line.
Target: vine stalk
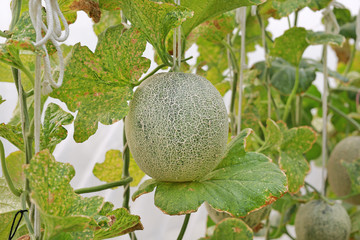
{"x":184,"y":226}
{"x":292,"y":94}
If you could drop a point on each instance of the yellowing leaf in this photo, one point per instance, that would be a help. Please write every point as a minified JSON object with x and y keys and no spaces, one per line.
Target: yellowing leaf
{"x":112,"y":168}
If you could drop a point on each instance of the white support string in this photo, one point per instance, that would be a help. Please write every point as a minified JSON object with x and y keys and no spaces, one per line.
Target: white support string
{"x":53,"y":33}
{"x":332,"y":26}
{"x":241,"y":18}
{"x":177,"y":44}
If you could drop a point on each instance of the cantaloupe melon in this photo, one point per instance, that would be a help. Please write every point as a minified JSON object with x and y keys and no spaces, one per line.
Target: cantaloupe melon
{"x":317,"y":220}
{"x":177,"y":127}
{"x":347,"y":150}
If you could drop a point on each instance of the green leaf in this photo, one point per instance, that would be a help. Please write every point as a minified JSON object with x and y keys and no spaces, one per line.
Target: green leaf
{"x":291,"y":45}
{"x":2,"y":100}
{"x":319,"y":68}
{"x":121,"y":222}
{"x":109,"y":4}
{"x":273,"y":137}
{"x":282,"y":75}
{"x":342,"y":15}
{"x":348,"y":30}
{"x":28,"y":60}
{"x":232,"y":228}
{"x":61,"y":209}
{"x":106,"y":78}
{"x":108,"y":18}
{"x":155,"y":20}
{"x":9,"y":205}
{"x":355,"y":222}
{"x":70,"y":7}
{"x":13,"y":134}
{"x":53,"y":131}
{"x":14,"y":163}
{"x":241,"y":183}
{"x":285,"y":7}
{"x":353,"y":169}
{"x":111,"y":169}
{"x":316,"y":5}
{"x":315,"y":38}
{"x":206,"y":9}
{"x":296,"y":142}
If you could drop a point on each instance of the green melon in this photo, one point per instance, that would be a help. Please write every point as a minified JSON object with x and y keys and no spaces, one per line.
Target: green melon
{"x":252,"y":219}
{"x":177,"y":127}
{"x":317,"y":220}
{"x":348,"y":150}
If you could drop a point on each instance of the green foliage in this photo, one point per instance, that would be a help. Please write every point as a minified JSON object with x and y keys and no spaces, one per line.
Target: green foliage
{"x":13,"y":134}
{"x":206,"y":9}
{"x":107,"y":77}
{"x":290,"y":145}
{"x":9,"y":205}
{"x":292,"y":44}
{"x":231,"y":228}
{"x":285,"y":7}
{"x":14,"y":164}
{"x":255,"y":182}
{"x":112,"y":168}
{"x":155,"y":20}
{"x":64,"y":211}
{"x":53,"y":132}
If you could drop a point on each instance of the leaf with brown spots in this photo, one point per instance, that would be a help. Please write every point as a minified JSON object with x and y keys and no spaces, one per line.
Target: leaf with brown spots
{"x":13,"y":134}
{"x":155,"y":19}
{"x":232,"y":228}
{"x":53,"y":131}
{"x":242,"y":182}
{"x":98,"y":85}
{"x":296,"y":142}
{"x":90,"y":7}
{"x":61,"y":209}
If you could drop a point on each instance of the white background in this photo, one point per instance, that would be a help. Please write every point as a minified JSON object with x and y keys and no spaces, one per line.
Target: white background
{"x":83,"y":156}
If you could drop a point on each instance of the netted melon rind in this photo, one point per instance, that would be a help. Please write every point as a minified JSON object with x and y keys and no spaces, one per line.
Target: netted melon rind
{"x":317,"y":220}
{"x":177,"y":127}
{"x":347,"y":150}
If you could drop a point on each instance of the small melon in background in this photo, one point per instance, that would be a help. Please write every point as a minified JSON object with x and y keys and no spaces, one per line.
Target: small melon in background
{"x":177,"y":127}
{"x":317,"y":220}
{"x":252,"y":219}
{"x":347,"y":150}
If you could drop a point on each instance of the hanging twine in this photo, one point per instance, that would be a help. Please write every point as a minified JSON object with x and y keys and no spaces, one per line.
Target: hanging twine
{"x":357,"y":42}
{"x":177,"y":44}
{"x":331,"y":26}
{"x":240,"y":18}
{"x":53,"y":33}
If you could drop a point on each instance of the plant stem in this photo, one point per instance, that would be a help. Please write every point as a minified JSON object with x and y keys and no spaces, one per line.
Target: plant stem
{"x":4,"y":34}
{"x":320,"y":194}
{"x":15,"y":11}
{"x":6,"y":174}
{"x":232,"y":56}
{"x":125,"y":174}
{"x":150,"y":74}
{"x":25,"y":122}
{"x":336,"y":110}
{"x":292,"y":95}
{"x":288,"y":19}
{"x":26,"y":214}
{"x":184,"y":226}
{"x":296,"y":18}
{"x":104,"y":186}
{"x":351,"y":60}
